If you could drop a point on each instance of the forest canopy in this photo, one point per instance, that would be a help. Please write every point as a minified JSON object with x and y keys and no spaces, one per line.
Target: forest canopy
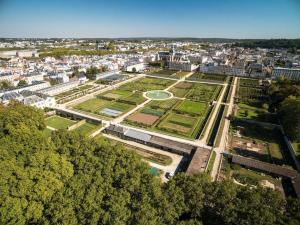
{"x":70,"y":179}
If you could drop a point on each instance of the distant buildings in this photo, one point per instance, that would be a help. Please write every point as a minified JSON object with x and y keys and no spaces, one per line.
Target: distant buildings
{"x":34,"y":86}
{"x":135,"y":67}
{"x":176,"y":61}
{"x":223,"y":69}
{"x":182,"y":65}
{"x":293,"y":74}
{"x":59,"y":88}
{"x":106,"y":74}
{"x":19,"y":53}
{"x":29,"y":98}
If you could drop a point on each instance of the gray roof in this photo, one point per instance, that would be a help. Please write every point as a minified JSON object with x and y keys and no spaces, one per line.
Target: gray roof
{"x":10,"y":95}
{"x":138,"y":135}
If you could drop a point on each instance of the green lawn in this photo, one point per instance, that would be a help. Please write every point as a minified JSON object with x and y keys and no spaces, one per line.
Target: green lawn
{"x":246,"y":111}
{"x":87,"y":128}
{"x":47,"y":132}
{"x":120,"y":106}
{"x":92,"y":105}
{"x":179,"y":92}
{"x":58,"y":122}
{"x":191,"y":107}
{"x":211,"y":162}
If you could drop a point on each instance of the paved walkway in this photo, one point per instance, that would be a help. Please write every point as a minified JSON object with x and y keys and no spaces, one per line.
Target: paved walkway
{"x":213,"y":116}
{"x":219,"y":150}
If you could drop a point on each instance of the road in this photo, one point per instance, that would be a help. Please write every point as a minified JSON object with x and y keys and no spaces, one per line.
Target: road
{"x":219,"y":150}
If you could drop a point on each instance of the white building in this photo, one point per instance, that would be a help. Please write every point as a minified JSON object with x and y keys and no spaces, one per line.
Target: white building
{"x":8,"y":77}
{"x":32,"y":77}
{"x":135,"y":67}
{"x":59,"y":88}
{"x":35,"y":86}
{"x":29,"y":98}
{"x":293,"y":74}
{"x":223,"y":69}
{"x":182,"y":65}
{"x":106,"y":74}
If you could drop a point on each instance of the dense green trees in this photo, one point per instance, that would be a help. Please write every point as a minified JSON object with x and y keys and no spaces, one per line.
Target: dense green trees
{"x":91,"y":72}
{"x":68,"y":179}
{"x":289,"y":113}
{"x":285,"y":98}
{"x":22,"y":83}
{"x":271,"y":43}
{"x":5,"y":84}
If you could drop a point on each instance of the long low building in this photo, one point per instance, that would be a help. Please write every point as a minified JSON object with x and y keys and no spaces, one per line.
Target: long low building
{"x":31,"y":98}
{"x":34,"y":86}
{"x":60,"y":88}
{"x":199,"y":161}
{"x":151,"y":140}
{"x":293,"y":74}
{"x":182,"y":65}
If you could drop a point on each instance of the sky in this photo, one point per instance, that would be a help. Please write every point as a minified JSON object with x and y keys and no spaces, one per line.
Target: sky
{"x":150,"y":18}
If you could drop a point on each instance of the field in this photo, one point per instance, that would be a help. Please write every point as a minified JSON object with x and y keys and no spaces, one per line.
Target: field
{"x":104,"y":107}
{"x":58,"y":122}
{"x":251,"y":92}
{"x":87,"y":128}
{"x":260,"y":142}
{"x":143,"y":118}
{"x":196,"y":91}
{"x":191,"y":107}
{"x":207,"y":77}
{"x":91,"y":105}
{"x":179,"y":124}
{"x":246,"y":111}
{"x":249,"y":82}
{"x":147,"y":84}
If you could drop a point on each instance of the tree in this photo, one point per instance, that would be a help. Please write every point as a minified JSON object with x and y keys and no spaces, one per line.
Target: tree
{"x":22,"y":83}
{"x":289,"y":112}
{"x":5,"y":84}
{"x":91,"y":72}
{"x":71,"y":179}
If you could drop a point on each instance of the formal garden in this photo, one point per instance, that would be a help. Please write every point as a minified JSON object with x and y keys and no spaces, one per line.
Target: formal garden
{"x":183,"y":115}
{"x":207,"y":77}
{"x":196,"y":91}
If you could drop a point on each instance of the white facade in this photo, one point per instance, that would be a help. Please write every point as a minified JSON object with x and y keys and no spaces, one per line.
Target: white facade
{"x":293,"y":74}
{"x":60,"y":88}
{"x":139,"y":67}
{"x":182,"y":65}
{"x":8,"y":77}
{"x":223,"y":69}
